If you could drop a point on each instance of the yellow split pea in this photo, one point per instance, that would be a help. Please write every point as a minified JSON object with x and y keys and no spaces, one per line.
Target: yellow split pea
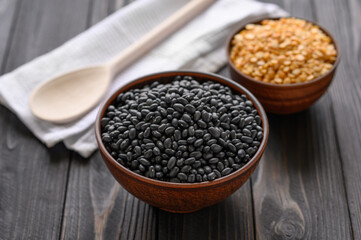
{"x":287,"y":50}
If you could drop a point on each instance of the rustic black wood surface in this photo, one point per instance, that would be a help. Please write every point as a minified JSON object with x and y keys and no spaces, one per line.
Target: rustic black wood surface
{"x":308,"y":185}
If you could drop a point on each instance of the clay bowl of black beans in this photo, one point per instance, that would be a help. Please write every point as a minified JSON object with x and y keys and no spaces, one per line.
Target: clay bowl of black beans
{"x":182,"y":140}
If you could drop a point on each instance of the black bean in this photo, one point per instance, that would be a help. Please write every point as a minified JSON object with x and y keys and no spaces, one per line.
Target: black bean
{"x":187,"y":118}
{"x":200,"y":171}
{"x":191,"y":131}
{"x":106,"y":137}
{"x":169,"y":131}
{"x":174,"y":122}
{"x":211,"y":176}
{"x":254,"y":133}
{"x":104,"y":121}
{"x":124,"y":144}
{"x":182,"y":176}
{"x":232,"y":147}
{"x":171,"y":163}
{"x":236,"y":166}
{"x":178,"y":107}
{"x":183,"y":124}
{"x":141,"y":168}
{"x":190,"y":108}
{"x":144,"y":161}
{"x":207,"y":169}
{"x":177,"y":135}
{"x":191,"y":178}
{"x":159,"y":175}
{"x":180,"y":162}
{"x":150,"y":145}
{"x":190,"y":161}
{"x":246,"y":139}
{"x":215,"y":132}
{"x":259,"y":136}
{"x":186,"y":168}
{"x":246,"y":132}
{"x":222,"y":142}
{"x":191,"y":140}
{"x":198,"y":142}
{"x":207,"y":137}
{"x":197,"y":164}
{"x":156,"y":151}
{"x":206,"y":116}
{"x":213,"y":160}
{"x":148,"y":154}
{"x":170,"y":152}
{"x":182,"y":148}
{"x":198,"y":133}
{"x":251,"y":151}
{"x":196,"y":154}
{"x":202,"y":124}
{"x":241,"y":153}
{"x":248,"y":120}
{"x":174,"y":172}
{"x":220,"y":166}
{"x":216,"y":148}
{"x":226,"y":171}
{"x":197,"y":115}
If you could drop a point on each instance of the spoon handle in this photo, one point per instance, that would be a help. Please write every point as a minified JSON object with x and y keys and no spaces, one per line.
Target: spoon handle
{"x":152,"y":38}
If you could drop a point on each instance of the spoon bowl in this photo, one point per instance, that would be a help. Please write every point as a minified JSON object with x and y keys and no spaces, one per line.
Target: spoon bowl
{"x":62,"y":99}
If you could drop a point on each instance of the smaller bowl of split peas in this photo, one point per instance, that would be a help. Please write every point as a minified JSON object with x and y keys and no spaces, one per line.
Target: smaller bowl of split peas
{"x":287,"y":63}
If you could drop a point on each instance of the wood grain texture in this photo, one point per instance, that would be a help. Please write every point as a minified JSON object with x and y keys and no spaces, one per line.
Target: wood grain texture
{"x":300,"y":178}
{"x":8,"y":16}
{"x":229,"y":219}
{"x":33,"y":177}
{"x":98,"y":208}
{"x":32,"y":183}
{"x":343,"y":19}
{"x":99,"y":9}
{"x":43,"y":25}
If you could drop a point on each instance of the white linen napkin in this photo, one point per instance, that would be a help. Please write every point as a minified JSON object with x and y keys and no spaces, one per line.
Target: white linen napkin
{"x":200,"y":45}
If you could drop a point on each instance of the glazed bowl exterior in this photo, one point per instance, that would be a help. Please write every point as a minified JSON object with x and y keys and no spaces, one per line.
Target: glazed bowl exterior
{"x":283,"y":98}
{"x":180,"y":197}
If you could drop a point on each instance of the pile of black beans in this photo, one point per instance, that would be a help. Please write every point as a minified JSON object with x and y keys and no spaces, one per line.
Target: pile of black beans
{"x":183,"y":131}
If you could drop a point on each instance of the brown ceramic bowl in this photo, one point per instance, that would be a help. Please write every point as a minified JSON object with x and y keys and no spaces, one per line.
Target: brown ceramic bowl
{"x":283,"y":98}
{"x":180,"y":197}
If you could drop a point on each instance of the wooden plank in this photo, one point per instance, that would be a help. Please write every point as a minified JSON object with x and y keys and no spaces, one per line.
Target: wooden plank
{"x":8,"y":14}
{"x":342,"y":18}
{"x":229,"y":219}
{"x":298,"y":190}
{"x":33,"y":183}
{"x":44,"y":25}
{"x":97,"y":207}
{"x":101,"y":9}
{"x":34,"y":178}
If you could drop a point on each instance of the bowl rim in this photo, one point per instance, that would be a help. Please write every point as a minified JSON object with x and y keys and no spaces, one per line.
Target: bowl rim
{"x":285,"y":85}
{"x":216,"y":182}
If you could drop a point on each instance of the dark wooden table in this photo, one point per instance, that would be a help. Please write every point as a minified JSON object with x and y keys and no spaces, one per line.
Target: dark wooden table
{"x":308,"y":185}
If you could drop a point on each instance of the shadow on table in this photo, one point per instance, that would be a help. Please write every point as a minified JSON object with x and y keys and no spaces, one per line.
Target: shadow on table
{"x":229,"y":219}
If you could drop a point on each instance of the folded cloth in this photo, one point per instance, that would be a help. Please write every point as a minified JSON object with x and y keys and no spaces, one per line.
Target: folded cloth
{"x":199,"y":46}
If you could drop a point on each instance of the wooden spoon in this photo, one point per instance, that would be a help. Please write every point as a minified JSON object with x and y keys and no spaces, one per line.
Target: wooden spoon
{"x":71,"y":95}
